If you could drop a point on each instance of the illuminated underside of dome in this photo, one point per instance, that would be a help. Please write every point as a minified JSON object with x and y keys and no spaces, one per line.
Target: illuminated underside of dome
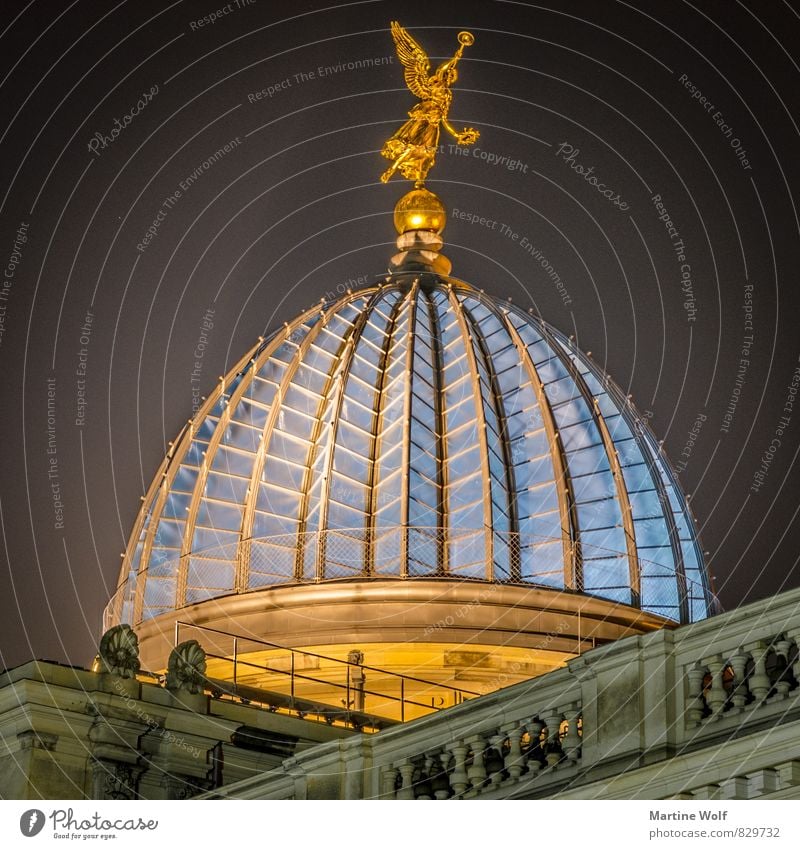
{"x":415,"y":464}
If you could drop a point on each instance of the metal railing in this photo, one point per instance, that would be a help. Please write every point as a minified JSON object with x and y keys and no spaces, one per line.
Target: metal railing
{"x":459,"y":554}
{"x":353,"y":688}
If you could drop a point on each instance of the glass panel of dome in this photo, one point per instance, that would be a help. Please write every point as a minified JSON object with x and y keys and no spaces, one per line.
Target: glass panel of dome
{"x":597,"y":515}
{"x":580,"y":436}
{"x":159,"y":554}
{"x":540,"y":499}
{"x":230,"y":462}
{"x":387,"y":553}
{"x":423,"y":461}
{"x":262,"y":390}
{"x":168,"y":534}
{"x":318,"y":359}
{"x":206,"y":428}
{"x":347,"y":463}
{"x":282,"y":502}
{"x":457,"y":416}
{"x":270,"y":374}
{"x":467,"y":555}
{"x":209,"y":572}
{"x":465,"y":492}
{"x":651,"y":532}
{"x":420,"y":515}
{"x":423,"y":554}
{"x":541,"y":528}
{"x":629,"y":452}
{"x":159,"y":593}
{"x":618,"y":427}
{"x":301,"y":400}
{"x":344,"y":517}
{"x":561,"y":391}
{"x":242,"y":436}
{"x":216,"y":514}
{"x":270,"y":563}
{"x":645,"y":505}
{"x":213,"y":539}
{"x":175,"y":506}
{"x":637,"y":478}
{"x":552,"y":371}
{"x":354,"y":438}
{"x":309,"y":378}
{"x":657,"y":560}
{"x":283,"y":473}
{"x":535,"y":471}
{"x":194,"y":456}
{"x":608,"y":572}
{"x":166,"y":565}
{"x":602,"y":542}
{"x":344,"y":553}
{"x":467,"y":518}
{"x":348,"y":492}
{"x":425,"y":418}
{"x":588,"y":460}
{"x":660,"y":595}
{"x":572,"y":412}
{"x":359,"y":415}
{"x":185,"y":479}
{"x":691,"y":560}
{"x":456,"y":365}
{"x":543,"y":564}
{"x":599,"y":485}
{"x":268,"y":524}
{"x":464,"y":464}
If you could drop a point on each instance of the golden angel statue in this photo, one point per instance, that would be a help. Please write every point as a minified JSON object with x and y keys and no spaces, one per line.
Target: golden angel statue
{"x":413,"y":147}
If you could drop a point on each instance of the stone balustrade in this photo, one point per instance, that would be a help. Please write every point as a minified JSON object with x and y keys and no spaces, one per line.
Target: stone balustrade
{"x":663,"y":715}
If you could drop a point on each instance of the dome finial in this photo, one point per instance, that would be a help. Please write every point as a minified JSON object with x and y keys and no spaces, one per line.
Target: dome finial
{"x":412,"y":149}
{"x":420,"y":209}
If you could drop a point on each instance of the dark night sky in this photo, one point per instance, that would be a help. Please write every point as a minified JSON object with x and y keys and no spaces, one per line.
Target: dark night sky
{"x":295,"y":210}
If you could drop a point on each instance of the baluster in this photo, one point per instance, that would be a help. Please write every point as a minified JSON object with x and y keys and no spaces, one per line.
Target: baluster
{"x":514,"y":761}
{"x":536,"y":760}
{"x":572,"y":742}
{"x":795,"y":637}
{"x":477,"y":772}
{"x":422,"y":783}
{"x":782,"y":648}
{"x":494,"y":759}
{"x":694,"y":701}
{"x":759,"y":680}
{"x":440,"y":781}
{"x":738,"y":663}
{"x":553,"y":751}
{"x":458,"y":778}
{"x":717,"y":696}
{"x":406,"y":790}
{"x":389,"y":782}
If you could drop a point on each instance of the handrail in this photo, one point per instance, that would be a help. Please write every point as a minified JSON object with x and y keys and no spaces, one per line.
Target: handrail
{"x":460,"y":694}
{"x":180,"y":622}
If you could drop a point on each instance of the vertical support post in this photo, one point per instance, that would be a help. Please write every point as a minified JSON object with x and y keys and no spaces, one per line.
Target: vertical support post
{"x":235,"y":660}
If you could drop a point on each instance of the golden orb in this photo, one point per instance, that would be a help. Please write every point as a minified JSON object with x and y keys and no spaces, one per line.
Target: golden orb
{"x":419,"y":210}
{"x":466,"y":38}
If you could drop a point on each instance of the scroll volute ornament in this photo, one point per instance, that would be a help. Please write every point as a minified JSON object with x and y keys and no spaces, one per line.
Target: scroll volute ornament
{"x":119,"y":652}
{"x":186,"y":668}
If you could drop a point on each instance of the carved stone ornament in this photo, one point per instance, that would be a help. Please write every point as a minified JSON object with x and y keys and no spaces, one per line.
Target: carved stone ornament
{"x":186,"y":669}
{"x":119,"y":651}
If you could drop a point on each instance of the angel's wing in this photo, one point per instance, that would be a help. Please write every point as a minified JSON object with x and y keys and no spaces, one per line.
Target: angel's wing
{"x":414,"y":59}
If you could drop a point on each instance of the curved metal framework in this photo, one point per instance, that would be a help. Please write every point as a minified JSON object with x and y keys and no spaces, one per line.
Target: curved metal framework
{"x":426,"y":414}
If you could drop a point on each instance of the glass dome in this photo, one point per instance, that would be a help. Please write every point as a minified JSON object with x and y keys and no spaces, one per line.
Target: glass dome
{"x":416,"y":429}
